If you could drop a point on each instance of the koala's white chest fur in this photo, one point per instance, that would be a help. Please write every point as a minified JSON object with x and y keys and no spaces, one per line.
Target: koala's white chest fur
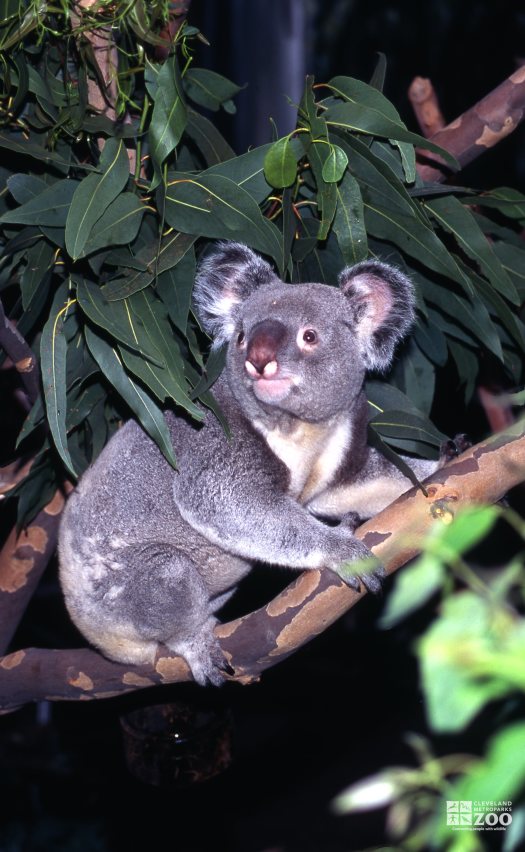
{"x":312,"y":452}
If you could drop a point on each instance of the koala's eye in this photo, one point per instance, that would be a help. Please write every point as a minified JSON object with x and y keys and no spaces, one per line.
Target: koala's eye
{"x":240,"y":338}
{"x":310,"y":336}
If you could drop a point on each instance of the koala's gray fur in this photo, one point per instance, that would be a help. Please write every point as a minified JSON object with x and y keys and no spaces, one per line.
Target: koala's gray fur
{"x":149,"y":554}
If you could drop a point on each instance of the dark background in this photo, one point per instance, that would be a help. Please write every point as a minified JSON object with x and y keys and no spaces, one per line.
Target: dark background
{"x":338,"y":709}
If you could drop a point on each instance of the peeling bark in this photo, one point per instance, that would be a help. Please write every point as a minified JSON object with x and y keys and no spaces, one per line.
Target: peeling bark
{"x":480,"y":128}
{"x":259,"y":640}
{"x":23,"y":559}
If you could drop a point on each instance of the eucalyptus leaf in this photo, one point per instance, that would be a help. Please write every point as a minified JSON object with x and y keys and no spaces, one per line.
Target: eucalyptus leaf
{"x":118,"y":224}
{"x":146,"y":411}
{"x":280,"y":167}
{"x":349,"y":220}
{"x":169,"y":116}
{"x":94,"y":194}
{"x":209,"y":89}
{"x":49,"y":207}
{"x":53,"y":350}
{"x":213,"y":206}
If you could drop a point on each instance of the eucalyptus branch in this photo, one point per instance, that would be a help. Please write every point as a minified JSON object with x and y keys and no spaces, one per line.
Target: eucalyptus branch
{"x":259,"y":640}
{"x":480,"y":128}
{"x":21,"y":354}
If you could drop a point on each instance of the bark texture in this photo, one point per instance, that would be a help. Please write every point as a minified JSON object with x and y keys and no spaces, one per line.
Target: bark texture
{"x":480,"y":128}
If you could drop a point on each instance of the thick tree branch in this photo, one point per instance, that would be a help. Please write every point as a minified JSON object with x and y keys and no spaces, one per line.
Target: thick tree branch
{"x":308,"y":606}
{"x":23,"y":560}
{"x":481,"y":127}
{"x":20,"y":353}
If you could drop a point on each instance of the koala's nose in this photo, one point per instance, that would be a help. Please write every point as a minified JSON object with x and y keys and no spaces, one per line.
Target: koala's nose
{"x":263,"y":344}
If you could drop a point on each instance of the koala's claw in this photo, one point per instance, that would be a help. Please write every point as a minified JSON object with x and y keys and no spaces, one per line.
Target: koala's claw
{"x":449,"y":450}
{"x":371,"y":579}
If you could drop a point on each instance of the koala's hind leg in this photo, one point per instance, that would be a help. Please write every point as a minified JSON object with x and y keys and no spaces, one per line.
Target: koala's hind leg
{"x":165,"y":600}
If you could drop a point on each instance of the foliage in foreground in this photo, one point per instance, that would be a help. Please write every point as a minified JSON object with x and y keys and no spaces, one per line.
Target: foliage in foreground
{"x":471,"y":659}
{"x":104,"y":212}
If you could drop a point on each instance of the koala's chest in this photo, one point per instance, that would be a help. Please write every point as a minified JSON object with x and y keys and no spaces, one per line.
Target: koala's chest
{"x":312,"y":453}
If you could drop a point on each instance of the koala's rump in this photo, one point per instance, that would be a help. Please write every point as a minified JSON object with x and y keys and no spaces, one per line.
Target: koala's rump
{"x":122,"y":503}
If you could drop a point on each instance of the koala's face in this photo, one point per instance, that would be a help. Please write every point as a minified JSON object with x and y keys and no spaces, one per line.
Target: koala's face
{"x":294,"y":349}
{"x":301,"y":349}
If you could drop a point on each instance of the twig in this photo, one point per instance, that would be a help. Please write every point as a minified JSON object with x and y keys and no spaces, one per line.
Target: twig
{"x":303,"y":610}
{"x":425,"y":104}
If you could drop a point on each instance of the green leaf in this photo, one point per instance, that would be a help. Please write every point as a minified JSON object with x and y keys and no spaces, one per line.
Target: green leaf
{"x":432,"y":342}
{"x":458,"y":220}
{"x":148,"y":414}
{"x":413,"y":587}
{"x":510,"y":201}
{"x":512,"y":259}
{"x":173,"y":247}
{"x":500,"y":775}
{"x":366,"y":110}
{"x":118,"y":225}
{"x":17,"y":144}
{"x":335,"y":164}
{"x":174,"y":286}
{"x":391,"y":214}
{"x":280,"y":166}
{"x":113,"y":317}
{"x":49,"y":208}
{"x":169,"y":116}
{"x":247,"y":171}
{"x":466,"y":319}
{"x":24,"y":187}
{"x":40,"y":261}
{"x":53,"y":349}
{"x":463,"y":660}
{"x":349,"y":222}
{"x":94,"y":194}
{"x":151,"y":327}
{"x":213,"y":206}
{"x":209,"y":89}
{"x":402,"y":426}
{"x":207,"y":138}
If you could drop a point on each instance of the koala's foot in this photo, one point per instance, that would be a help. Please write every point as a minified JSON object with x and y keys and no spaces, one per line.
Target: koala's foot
{"x":449,"y":450}
{"x":204,"y":656}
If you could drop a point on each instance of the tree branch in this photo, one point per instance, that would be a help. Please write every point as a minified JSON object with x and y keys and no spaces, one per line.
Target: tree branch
{"x":481,"y":127}
{"x":23,"y":559}
{"x":20,"y":353}
{"x":426,"y":107}
{"x":304,"y":609}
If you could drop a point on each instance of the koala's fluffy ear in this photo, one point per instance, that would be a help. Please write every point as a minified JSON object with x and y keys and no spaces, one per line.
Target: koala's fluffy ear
{"x":224,"y":280}
{"x":382,"y":301}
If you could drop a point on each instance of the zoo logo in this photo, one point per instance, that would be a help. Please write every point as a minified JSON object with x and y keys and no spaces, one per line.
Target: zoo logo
{"x":478,"y":816}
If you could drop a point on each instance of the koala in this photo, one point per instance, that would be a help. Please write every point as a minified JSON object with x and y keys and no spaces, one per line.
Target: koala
{"x":149,"y":554}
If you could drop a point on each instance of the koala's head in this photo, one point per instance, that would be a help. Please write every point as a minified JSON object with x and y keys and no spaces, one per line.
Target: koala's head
{"x":302,"y":349}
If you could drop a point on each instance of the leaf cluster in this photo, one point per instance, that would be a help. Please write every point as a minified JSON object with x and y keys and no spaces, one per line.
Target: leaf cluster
{"x":472,"y":660}
{"x":105,"y":210}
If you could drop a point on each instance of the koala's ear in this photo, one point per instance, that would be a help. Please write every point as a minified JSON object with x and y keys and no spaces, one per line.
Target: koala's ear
{"x":382,"y":302}
{"x":224,"y":280}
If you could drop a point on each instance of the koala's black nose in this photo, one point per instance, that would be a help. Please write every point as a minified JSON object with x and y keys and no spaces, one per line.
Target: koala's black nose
{"x":263,"y":344}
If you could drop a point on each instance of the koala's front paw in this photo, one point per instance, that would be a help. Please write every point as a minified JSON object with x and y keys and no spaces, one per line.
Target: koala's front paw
{"x":364,"y":569}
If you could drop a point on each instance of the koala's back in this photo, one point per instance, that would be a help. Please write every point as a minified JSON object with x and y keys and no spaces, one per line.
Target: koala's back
{"x":119,"y":517}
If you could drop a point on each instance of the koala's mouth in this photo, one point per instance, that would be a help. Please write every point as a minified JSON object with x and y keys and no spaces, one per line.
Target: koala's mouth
{"x":272,"y":390}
